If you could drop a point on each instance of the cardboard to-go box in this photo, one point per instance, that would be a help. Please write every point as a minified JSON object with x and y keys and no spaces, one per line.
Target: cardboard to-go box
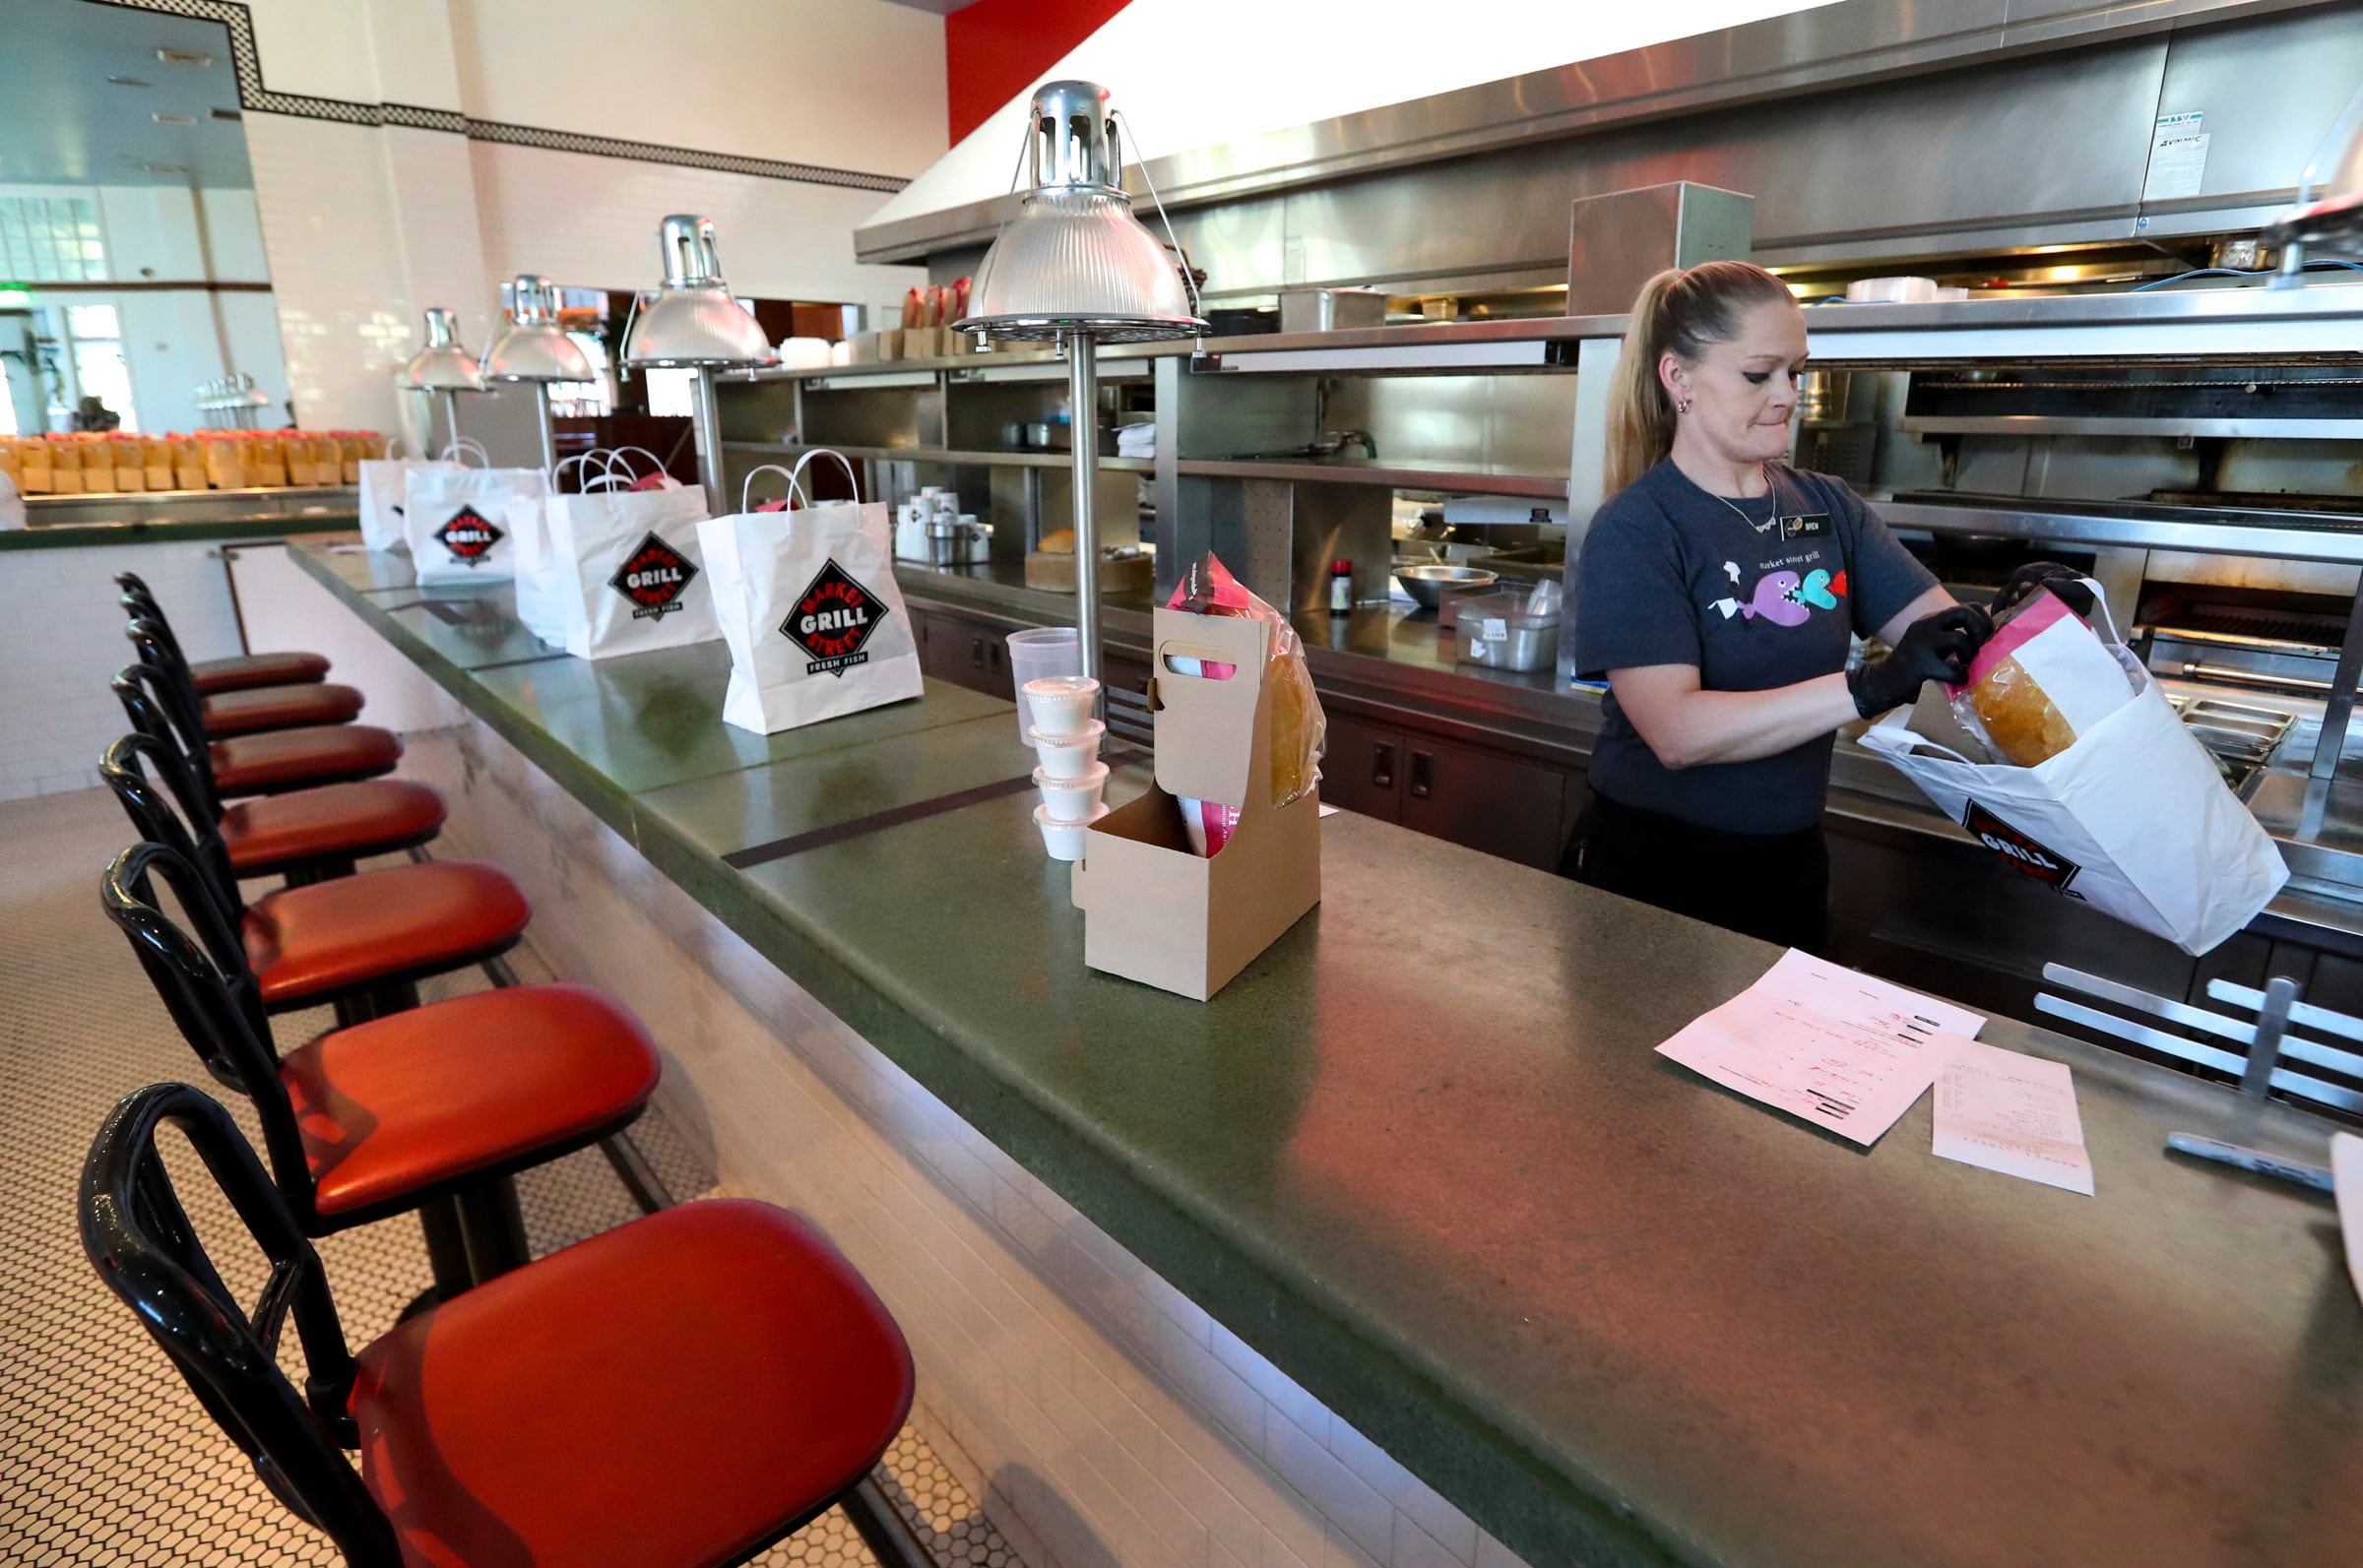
{"x":1155,"y":913}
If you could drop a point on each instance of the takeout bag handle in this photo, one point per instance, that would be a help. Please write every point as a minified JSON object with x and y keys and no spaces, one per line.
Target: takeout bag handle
{"x":746,"y":485}
{"x":825,"y":452}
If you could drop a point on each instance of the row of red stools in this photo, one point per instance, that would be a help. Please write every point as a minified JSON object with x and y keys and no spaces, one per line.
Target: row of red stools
{"x":682,"y":1390}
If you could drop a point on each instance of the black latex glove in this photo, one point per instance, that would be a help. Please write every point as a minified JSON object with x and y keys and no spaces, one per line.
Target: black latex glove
{"x":1936,"y":647}
{"x":2066,"y":581}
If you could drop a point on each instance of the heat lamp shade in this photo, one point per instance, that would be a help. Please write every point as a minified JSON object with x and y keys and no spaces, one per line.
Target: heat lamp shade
{"x":536,"y":352}
{"x":446,"y":370}
{"x":2332,"y":223}
{"x":1074,"y":260}
{"x":443,"y":365}
{"x":695,"y":324}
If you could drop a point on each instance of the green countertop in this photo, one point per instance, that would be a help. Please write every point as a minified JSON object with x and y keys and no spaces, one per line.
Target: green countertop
{"x":1421,"y":1153}
{"x":141,"y":531}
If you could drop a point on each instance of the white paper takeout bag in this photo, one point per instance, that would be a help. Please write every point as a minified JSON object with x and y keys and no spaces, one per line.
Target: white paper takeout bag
{"x":625,"y":572}
{"x":2133,"y":819}
{"x":456,"y":521}
{"x":807,"y":603}
{"x":382,"y":482}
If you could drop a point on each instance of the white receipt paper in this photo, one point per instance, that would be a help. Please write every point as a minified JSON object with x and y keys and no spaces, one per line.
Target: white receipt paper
{"x":1839,"y":1049}
{"x":2012,"y":1112}
{"x":2347,"y":1175}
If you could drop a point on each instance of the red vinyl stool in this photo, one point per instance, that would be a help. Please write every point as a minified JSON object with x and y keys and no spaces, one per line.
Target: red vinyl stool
{"x":308,"y":835}
{"x":253,"y":765}
{"x":359,"y":943}
{"x":253,"y":712}
{"x":394,"y":1114}
{"x":262,"y":709}
{"x":213,"y":676}
{"x":680,"y":1391}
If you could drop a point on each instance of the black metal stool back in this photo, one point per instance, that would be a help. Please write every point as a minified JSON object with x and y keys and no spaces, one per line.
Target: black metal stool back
{"x":196,"y":838}
{"x":147,"y":695}
{"x":156,"y":651}
{"x":138,"y":602}
{"x":138,"y":1236}
{"x":206,"y":984}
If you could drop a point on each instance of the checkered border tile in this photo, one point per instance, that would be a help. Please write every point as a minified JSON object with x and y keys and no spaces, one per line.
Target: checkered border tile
{"x":256,"y":97}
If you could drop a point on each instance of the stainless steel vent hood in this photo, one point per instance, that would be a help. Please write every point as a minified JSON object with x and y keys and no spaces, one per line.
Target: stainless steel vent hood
{"x":1905,"y":131}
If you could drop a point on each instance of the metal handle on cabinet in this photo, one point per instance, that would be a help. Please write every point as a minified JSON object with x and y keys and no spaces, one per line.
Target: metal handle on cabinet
{"x":976,"y":652}
{"x":1423,"y":768}
{"x":1383,"y":766}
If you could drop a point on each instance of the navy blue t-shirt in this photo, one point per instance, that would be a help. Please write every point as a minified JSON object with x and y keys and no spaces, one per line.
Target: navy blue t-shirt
{"x":1755,"y":594}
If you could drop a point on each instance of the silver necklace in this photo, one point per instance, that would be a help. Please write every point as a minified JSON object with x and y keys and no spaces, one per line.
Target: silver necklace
{"x":1765,"y":527}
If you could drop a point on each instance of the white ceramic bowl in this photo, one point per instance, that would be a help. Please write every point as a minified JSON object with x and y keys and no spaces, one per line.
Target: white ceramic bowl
{"x":1072,"y":799}
{"x":1068,"y":756}
{"x":1065,"y":840}
{"x":1062,"y":704}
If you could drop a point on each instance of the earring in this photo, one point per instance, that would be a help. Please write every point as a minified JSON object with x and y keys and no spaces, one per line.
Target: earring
{"x":1682,"y":406}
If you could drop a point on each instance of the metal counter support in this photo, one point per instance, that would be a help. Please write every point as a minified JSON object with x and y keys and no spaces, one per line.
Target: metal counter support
{"x":2330,"y":745}
{"x":1082,"y":382}
{"x":545,"y":428}
{"x":709,"y":441}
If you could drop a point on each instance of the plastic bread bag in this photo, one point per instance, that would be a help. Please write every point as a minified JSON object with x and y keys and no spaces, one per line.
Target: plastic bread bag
{"x":2045,"y":677}
{"x":1297,"y":725}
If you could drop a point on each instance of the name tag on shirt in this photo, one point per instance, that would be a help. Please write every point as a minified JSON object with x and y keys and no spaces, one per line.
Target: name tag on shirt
{"x":1805,"y":526}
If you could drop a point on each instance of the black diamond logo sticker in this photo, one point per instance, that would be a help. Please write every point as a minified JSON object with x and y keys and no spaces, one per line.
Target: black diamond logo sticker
{"x":653,"y":577}
{"x":469,"y":536}
{"x":2027,"y":856}
{"x":832,"y":619}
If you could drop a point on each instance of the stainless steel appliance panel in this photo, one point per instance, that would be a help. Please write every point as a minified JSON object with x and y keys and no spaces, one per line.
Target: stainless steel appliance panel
{"x":2270,"y":89}
{"x":1984,"y":166}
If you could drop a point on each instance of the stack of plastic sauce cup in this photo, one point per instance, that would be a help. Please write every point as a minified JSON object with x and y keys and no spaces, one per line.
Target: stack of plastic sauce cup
{"x":1070,"y":777}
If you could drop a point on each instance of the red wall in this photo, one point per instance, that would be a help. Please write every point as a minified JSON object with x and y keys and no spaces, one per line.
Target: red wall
{"x":996,"y":50}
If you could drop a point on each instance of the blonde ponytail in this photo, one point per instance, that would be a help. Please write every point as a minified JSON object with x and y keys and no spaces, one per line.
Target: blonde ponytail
{"x":1679,"y":313}
{"x":1640,"y":416}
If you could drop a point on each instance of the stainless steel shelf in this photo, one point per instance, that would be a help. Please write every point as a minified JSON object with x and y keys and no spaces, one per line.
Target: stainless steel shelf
{"x":2284,"y":535}
{"x":2042,"y":424}
{"x":1455,"y":478}
{"x":942,"y":455}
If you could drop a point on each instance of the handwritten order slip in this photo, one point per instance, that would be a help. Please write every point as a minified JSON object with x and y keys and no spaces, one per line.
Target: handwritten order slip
{"x":1839,"y":1049}
{"x":2012,"y":1112}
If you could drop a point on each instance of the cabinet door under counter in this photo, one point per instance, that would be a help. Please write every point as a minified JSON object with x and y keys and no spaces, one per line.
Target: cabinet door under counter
{"x":1446,"y":789}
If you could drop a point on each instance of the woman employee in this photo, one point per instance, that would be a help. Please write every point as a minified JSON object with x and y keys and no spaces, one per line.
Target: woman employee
{"x":1718,"y":591}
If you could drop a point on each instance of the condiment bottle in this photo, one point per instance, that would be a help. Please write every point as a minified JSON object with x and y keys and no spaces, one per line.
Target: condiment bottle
{"x":1341,"y":588}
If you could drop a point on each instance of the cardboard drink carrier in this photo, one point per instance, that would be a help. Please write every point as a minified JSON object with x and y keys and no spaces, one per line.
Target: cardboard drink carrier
{"x":1155,"y":911}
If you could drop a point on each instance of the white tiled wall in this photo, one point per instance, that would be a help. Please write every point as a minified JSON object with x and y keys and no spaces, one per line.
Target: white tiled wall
{"x":334,"y":238}
{"x":61,"y":641}
{"x":1100,"y":1415}
{"x":592,"y":222}
{"x":366,"y":226}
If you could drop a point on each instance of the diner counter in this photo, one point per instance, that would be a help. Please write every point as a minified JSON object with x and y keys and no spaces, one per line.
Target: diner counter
{"x":1421,"y":1155}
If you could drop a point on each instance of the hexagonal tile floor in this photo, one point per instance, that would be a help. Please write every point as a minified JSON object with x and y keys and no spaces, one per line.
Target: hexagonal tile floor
{"x":105,"y":1459}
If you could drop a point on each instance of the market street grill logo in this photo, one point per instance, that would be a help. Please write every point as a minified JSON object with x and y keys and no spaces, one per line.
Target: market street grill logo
{"x":654,"y":577}
{"x":832,"y":619}
{"x":2024,"y":856}
{"x":469,"y":536}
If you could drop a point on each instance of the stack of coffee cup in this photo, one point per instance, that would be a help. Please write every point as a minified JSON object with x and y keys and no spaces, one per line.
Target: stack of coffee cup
{"x":1069,"y":775}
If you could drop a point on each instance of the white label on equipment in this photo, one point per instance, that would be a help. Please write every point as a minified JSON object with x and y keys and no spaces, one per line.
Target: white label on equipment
{"x":1494,"y":629}
{"x":2178,"y":157}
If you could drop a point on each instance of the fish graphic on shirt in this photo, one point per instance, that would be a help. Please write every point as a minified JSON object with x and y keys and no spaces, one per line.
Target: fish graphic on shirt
{"x":1783,"y":597}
